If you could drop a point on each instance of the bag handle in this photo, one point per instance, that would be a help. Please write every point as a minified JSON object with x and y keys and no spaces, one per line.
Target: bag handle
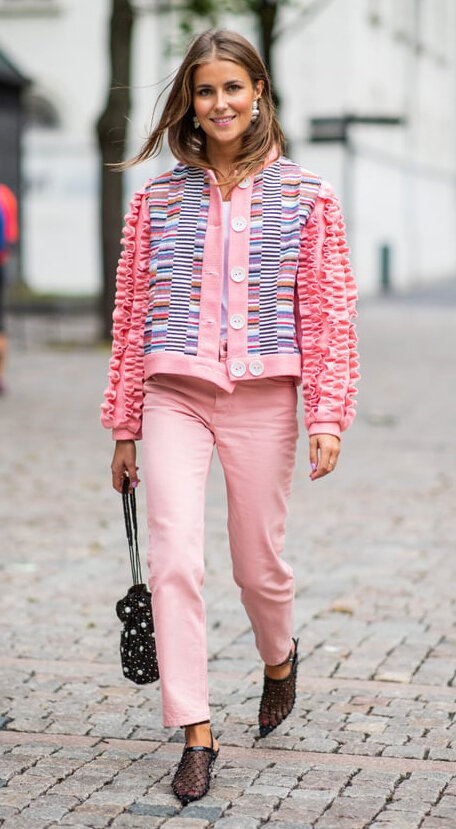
{"x":131,"y":526}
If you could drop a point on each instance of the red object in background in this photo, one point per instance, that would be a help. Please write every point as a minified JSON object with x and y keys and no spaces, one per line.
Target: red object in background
{"x":8,"y":204}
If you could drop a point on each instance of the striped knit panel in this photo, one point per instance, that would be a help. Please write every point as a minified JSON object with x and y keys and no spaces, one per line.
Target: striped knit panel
{"x":270,"y":258}
{"x":200,"y":213}
{"x":180,"y":263}
{"x":159,"y":283}
{"x":283,"y":197}
{"x":256,"y":241}
{"x":290,"y":176}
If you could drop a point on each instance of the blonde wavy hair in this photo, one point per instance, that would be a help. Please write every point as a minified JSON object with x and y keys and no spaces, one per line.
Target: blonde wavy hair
{"x":186,"y":143}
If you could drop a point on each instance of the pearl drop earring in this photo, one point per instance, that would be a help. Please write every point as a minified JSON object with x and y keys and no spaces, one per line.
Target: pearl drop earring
{"x":255,"y":110}
{"x":196,"y":123}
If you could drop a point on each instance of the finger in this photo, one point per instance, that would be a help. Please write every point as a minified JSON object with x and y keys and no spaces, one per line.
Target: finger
{"x":133,"y":475}
{"x":318,"y":455}
{"x":332,"y":462}
{"x":313,"y":454}
{"x":324,"y":466}
{"x":334,"y":456}
{"x":118,"y":475}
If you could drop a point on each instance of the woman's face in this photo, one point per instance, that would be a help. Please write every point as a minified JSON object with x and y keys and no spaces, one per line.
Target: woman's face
{"x":223,"y":95}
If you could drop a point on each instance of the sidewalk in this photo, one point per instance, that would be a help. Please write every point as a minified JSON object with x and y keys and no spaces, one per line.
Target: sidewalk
{"x":372,"y":739}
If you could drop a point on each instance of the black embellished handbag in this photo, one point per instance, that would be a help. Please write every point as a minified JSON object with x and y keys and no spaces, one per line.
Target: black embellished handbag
{"x":138,"y":653}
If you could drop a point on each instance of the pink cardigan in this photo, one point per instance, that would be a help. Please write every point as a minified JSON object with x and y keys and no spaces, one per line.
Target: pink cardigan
{"x":325,"y":297}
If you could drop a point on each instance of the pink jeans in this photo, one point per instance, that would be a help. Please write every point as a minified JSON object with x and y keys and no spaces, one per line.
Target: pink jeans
{"x":255,"y":430}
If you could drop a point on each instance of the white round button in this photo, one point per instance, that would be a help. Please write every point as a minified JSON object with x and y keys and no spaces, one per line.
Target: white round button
{"x":239,"y":223}
{"x":238,"y":368}
{"x":237,"y":321}
{"x":244,"y":183}
{"x":238,"y":274}
{"x":256,"y":368}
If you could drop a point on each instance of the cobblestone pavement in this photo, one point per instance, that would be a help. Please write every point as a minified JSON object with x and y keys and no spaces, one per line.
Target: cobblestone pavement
{"x":372,"y":739}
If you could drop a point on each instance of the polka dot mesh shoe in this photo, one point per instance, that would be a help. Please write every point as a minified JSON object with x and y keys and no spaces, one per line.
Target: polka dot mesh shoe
{"x":193,"y":774}
{"x":278,"y":696}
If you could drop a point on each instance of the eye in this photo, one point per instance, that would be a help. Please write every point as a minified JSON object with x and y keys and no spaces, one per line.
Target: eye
{"x":203,"y":92}
{"x":234,"y":86}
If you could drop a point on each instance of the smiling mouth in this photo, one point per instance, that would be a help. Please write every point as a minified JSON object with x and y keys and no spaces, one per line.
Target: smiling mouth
{"x":223,"y":121}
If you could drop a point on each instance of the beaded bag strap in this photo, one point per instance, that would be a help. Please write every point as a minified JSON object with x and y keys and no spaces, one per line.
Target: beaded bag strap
{"x":131,"y":527}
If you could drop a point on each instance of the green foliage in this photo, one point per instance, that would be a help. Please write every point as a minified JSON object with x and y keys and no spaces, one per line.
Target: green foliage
{"x":209,"y":12}
{"x":193,"y":15}
{"x":217,"y":8}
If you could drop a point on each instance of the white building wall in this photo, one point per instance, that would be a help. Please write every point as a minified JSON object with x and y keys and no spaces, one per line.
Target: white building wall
{"x":62,"y":50}
{"x":398,"y":184}
{"x":364,"y":57}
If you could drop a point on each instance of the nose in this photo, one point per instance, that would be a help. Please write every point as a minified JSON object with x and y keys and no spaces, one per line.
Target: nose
{"x":220,"y":103}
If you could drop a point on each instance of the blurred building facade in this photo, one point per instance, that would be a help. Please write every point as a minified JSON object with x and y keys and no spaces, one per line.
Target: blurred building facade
{"x":364,"y":58}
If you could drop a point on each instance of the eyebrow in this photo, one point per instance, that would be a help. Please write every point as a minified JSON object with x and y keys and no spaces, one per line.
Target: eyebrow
{"x":227,"y":83}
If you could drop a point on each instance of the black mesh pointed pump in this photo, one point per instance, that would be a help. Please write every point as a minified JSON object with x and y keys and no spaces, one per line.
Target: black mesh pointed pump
{"x":279,"y":695}
{"x":193,"y":774}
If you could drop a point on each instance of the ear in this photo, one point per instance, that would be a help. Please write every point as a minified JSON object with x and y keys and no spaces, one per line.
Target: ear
{"x":259,"y":86}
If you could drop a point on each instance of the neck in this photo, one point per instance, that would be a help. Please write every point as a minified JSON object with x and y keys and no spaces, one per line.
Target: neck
{"x":222,"y":157}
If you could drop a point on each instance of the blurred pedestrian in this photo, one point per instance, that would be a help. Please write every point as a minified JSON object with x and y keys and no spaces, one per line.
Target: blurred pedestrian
{"x":234,"y":287}
{"x":8,"y":237}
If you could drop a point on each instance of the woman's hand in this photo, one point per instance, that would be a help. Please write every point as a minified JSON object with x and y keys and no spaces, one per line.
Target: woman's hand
{"x":323,"y":453}
{"x":124,"y":461}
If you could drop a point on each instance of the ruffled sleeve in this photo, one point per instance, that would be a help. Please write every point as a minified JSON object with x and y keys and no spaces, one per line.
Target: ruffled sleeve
{"x":121,"y":410}
{"x":327,"y":297}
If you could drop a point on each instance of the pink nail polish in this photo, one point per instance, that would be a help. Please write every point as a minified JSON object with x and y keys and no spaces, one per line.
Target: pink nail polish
{"x":135,"y":484}
{"x":313,"y":466}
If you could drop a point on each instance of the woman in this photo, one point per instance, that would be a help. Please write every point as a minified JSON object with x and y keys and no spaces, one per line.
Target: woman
{"x":233,"y":287}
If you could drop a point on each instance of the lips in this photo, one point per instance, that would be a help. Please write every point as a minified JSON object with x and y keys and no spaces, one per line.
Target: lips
{"x":222,"y":122}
